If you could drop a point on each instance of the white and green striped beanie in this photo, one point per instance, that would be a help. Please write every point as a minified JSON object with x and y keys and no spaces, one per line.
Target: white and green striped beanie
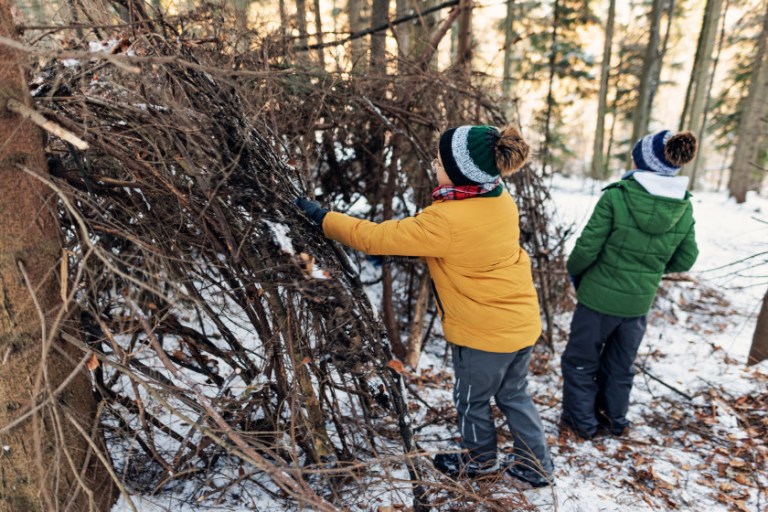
{"x":467,"y":154}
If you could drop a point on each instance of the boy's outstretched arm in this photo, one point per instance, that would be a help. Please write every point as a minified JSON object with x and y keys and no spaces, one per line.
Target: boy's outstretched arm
{"x":685,"y":255}
{"x":592,"y":239}
{"x":427,"y":234}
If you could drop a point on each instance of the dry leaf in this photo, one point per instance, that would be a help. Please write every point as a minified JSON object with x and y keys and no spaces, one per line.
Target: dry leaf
{"x":737,"y":463}
{"x":396,"y":365}
{"x":725,"y":487}
{"x":93,"y":362}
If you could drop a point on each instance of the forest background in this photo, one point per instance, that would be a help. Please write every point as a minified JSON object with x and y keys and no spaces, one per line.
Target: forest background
{"x":231,"y":347}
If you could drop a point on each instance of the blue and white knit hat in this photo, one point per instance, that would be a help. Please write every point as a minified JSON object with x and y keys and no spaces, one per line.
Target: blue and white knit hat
{"x":650,"y":154}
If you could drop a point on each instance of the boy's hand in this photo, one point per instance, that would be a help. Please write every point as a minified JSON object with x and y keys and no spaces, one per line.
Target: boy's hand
{"x":575,"y":280}
{"x":312,"y":210}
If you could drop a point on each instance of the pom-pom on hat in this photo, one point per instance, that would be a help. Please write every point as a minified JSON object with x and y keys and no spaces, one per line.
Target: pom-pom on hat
{"x":468,"y":154}
{"x":663,"y":152}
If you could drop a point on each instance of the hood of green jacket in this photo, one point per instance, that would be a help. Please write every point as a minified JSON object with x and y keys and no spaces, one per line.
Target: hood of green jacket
{"x":653,"y":214}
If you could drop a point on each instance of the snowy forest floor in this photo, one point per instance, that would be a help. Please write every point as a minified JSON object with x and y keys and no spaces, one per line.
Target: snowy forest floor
{"x":700,"y":446}
{"x":704,"y":451}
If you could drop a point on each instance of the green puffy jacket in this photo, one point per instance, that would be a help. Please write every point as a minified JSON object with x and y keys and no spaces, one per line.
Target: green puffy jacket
{"x":631,"y":240}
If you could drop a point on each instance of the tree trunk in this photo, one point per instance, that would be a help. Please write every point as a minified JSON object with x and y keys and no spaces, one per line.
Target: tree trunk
{"x":759,"y":350}
{"x":509,"y":45}
{"x":46,"y":464}
{"x":379,"y":16}
{"x":708,"y":98}
{"x":698,"y":85}
{"x":656,"y":81}
{"x":464,"y":49}
{"x":356,"y":24}
{"x":550,"y":87}
{"x":319,"y":35}
{"x":421,"y":42}
{"x":648,"y":78}
{"x":417,"y":324}
{"x":301,"y":25}
{"x":284,"y":24}
{"x":598,"y":167}
{"x":403,"y":31}
{"x":753,"y":123}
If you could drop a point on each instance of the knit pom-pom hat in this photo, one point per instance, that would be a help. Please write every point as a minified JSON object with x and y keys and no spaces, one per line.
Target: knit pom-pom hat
{"x":468,"y":154}
{"x":663,"y":152}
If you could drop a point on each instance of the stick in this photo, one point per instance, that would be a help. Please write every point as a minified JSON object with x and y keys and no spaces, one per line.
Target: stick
{"x":384,"y":26}
{"x":46,"y":124}
{"x":673,"y":388}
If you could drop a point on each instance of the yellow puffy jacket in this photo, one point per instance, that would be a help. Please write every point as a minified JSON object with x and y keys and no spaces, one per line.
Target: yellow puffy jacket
{"x":482,"y":277}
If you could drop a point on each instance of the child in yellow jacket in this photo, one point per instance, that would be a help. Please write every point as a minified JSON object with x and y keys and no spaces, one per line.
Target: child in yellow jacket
{"x":483,"y":287}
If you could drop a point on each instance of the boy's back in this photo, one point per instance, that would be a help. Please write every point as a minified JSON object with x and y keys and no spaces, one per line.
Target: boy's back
{"x":632,"y":239}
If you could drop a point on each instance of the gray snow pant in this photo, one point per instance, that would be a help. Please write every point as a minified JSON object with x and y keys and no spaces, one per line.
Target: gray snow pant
{"x":597,"y":370}
{"x":481,"y":375}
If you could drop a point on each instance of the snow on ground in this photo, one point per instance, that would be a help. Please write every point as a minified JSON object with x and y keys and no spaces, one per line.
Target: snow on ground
{"x":699,"y":441}
{"x":682,"y":454}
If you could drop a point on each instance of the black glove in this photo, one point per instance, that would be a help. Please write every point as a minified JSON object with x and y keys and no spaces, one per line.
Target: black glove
{"x":312,"y":210}
{"x":575,"y":281}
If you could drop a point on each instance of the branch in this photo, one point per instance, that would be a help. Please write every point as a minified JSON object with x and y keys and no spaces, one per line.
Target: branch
{"x":673,"y":388}
{"x":383,"y":26}
{"x":46,"y":124}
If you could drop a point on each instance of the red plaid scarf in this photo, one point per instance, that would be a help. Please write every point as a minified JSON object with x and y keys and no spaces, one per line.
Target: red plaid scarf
{"x":451,"y":192}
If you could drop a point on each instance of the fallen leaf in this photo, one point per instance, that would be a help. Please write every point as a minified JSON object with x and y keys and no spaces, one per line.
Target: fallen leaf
{"x":396,"y":365}
{"x":93,"y":362}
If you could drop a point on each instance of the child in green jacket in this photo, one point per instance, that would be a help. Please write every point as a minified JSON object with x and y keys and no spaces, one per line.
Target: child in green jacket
{"x":641,"y":228}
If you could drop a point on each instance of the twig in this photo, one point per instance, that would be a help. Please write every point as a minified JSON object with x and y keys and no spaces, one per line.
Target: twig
{"x":46,"y":124}
{"x":673,"y":388}
{"x":384,"y":26}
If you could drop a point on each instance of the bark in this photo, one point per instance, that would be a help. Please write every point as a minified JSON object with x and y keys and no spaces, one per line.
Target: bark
{"x":380,"y":16}
{"x":509,"y":46}
{"x":417,"y":325}
{"x":662,"y":52}
{"x":649,"y":77}
{"x":403,"y":32}
{"x":698,"y":84}
{"x":301,"y":24}
{"x":598,"y":166}
{"x":464,"y":49}
{"x":46,"y":463}
{"x":319,"y":35}
{"x":283,"y":16}
{"x":421,"y":45}
{"x":356,"y":24}
{"x":707,"y":99}
{"x":550,"y":93}
{"x":759,"y":350}
{"x":752,"y":125}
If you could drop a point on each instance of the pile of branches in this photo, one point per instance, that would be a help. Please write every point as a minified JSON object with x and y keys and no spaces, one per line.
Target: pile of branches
{"x":229,"y":336}
{"x":223,"y":324}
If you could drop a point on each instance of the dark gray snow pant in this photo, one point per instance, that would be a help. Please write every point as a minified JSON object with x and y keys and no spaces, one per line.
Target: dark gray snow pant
{"x":597,"y":370}
{"x":481,"y":375}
